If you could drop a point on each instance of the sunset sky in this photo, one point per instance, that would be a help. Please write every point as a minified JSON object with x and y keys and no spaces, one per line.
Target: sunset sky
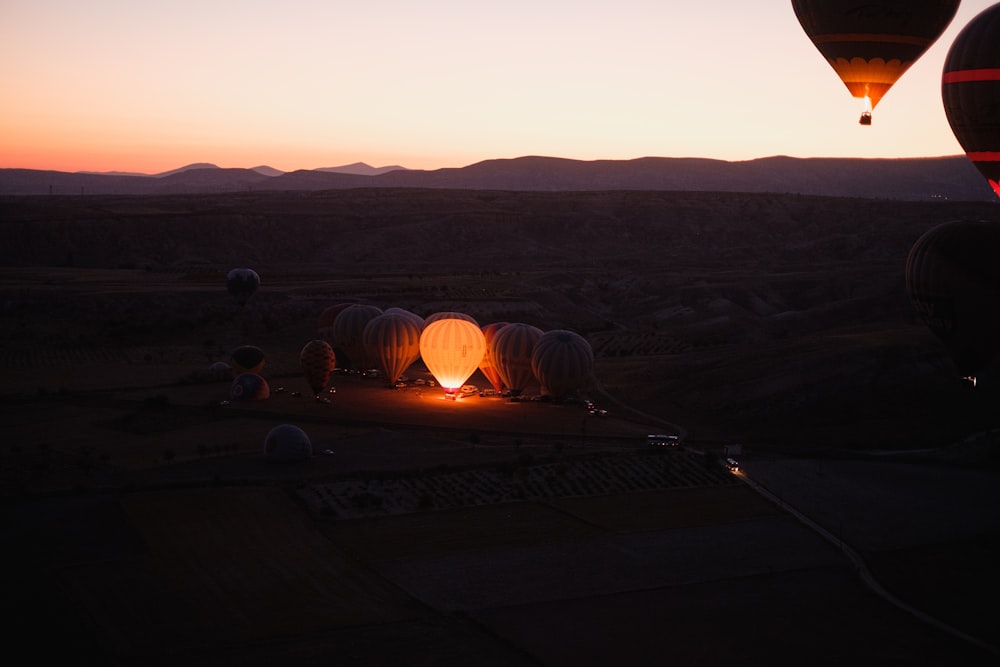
{"x":154,"y":85}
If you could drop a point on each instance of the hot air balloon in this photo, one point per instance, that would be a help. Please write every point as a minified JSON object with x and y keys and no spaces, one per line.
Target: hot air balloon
{"x":392,"y":341}
{"x":451,"y":315}
{"x":249,"y":387}
{"x":324,"y":328}
{"x":512,"y":347}
{"x":348,"y":330}
{"x":953,"y":281}
{"x":247,"y":359}
{"x":488,"y":365}
{"x":287,"y":443}
{"x":970,"y":90}
{"x":563,"y":362}
{"x":452,"y":349}
{"x":242,"y":283}
{"x":318,"y":361}
{"x":871,"y":44}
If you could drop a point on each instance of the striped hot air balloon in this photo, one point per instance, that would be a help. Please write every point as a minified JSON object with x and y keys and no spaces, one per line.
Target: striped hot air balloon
{"x":488,"y":365}
{"x":511,"y":348}
{"x":871,"y":44}
{"x":449,"y":315}
{"x":563,"y":361}
{"x":970,"y":91}
{"x":452,"y":349}
{"x":392,"y":341}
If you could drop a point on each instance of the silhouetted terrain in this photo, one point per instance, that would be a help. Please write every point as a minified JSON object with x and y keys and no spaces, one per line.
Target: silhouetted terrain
{"x":919,"y":179}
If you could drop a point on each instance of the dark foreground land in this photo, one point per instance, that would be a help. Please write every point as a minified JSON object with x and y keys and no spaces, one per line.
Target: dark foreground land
{"x":145,"y":527}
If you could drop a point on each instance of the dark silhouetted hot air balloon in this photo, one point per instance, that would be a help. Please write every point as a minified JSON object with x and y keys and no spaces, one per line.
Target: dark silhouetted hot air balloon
{"x":871,"y":44}
{"x":970,"y":90}
{"x":287,"y":443}
{"x":247,"y":359}
{"x":324,"y":329}
{"x":318,"y":361}
{"x":347,"y":333}
{"x":242,"y":284}
{"x":488,"y":366}
{"x":249,"y":387}
{"x":953,"y":280}
{"x":512,"y":348}
{"x":452,"y":349}
{"x":392,"y":342}
{"x":563,"y":362}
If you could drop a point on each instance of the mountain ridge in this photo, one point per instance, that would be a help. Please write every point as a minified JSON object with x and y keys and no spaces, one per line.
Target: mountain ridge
{"x":925,"y":178}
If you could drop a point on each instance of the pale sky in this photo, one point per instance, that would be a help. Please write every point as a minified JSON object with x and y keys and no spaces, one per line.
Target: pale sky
{"x":152,"y":85}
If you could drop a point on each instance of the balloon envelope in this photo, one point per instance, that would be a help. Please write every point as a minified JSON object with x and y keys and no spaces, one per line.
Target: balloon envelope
{"x":563,"y":362}
{"x":348,"y":331}
{"x":512,"y":348}
{"x":249,"y":387}
{"x":392,"y":341}
{"x":242,"y":283}
{"x":318,"y":361}
{"x":953,"y":281}
{"x":287,"y":443}
{"x":449,"y":315}
{"x":247,"y":359}
{"x":452,"y":350}
{"x":970,"y":91}
{"x":488,"y":366}
{"x":871,"y":45}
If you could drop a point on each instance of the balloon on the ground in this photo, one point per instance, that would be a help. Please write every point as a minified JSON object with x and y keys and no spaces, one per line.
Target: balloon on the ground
{"x":953,"y":281}
{"x":871,"y":45}
{"x":287,"y":443}
{"x":392,"y":341}
{"x":970,"y":91}
{"x":348,"y":333}
{"x":249,"y":387}
{"x":324,"y":328}
{"x":242,"y":283}
{"x":563,"y":362}
{"x":318,"y":361}
{"x":452,"y":349}
{"x":247,"y":359}
{"x":488,"y":366}
{"x":220,"y":370}
{"x":419,"y":321}
{"x":512,"y":347}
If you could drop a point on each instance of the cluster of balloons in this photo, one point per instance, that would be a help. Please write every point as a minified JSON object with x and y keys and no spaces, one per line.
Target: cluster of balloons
{"x":453,"y":346}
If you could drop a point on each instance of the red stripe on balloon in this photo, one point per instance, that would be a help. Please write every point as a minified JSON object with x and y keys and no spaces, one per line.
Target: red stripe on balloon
{"x":969,"y":75}
{"x":984,"y":156}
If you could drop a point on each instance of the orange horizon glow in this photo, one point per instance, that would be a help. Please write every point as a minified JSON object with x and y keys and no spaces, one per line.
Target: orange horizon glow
{"x":151,"y":87}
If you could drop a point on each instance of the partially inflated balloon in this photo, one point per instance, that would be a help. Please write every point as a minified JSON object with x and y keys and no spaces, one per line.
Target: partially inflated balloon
{"x":249,"y":387}
{"x":871,"y":44}
{"x":953,"y":280}
{"x":318,"y":361}
{"x":970,"y":90}
{"x":242,"y":284}
{"x":287,"y":443}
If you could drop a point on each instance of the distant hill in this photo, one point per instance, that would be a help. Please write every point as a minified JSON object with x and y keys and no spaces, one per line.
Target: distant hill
{"x":914,"y":179}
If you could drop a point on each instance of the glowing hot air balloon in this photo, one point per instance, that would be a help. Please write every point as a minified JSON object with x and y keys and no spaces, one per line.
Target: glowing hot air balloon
{"x":512,"y":347}
{"x":318,"y":361}
{"x":242,"y":284}
{"x":871,"y":44}
{"x":563,"y":362}
{"x":953,"y":280}
{"x":488,"y":365}
{"x":452,"y":349}
{"x":970,"y":90}
{"x":392,"y":341}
